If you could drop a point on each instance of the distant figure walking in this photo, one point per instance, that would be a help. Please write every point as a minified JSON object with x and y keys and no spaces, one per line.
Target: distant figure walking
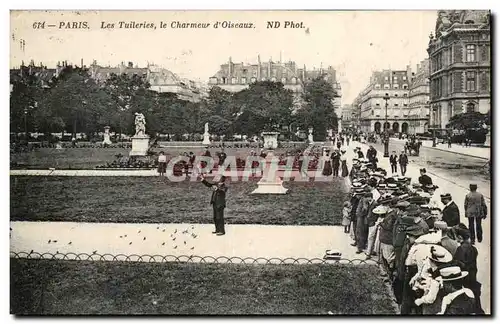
{"x":475,"y":211}
{"x":343,"y":160}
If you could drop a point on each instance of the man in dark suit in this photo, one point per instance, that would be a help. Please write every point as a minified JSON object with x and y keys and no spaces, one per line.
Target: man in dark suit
{"x":403,"y":162}
{"x":451,"y":213}
{"x":218,"y":202}
{"x":393,"y":160}
{"x":475,"y":211}
{"x":335,"y":157}
{"x":424,"y":179}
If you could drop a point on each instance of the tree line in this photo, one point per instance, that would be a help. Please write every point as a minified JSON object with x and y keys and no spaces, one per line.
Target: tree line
{"x":74,"y":102}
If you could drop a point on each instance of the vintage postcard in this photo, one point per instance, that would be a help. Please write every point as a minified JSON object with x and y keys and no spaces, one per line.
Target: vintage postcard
{"x":250,"y":162}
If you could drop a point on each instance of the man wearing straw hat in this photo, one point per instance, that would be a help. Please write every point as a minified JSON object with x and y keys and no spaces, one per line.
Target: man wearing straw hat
{"x":458,"y":300}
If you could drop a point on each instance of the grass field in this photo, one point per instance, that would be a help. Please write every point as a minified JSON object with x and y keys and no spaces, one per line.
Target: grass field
{"x":89,"y":158}
{"x":51,"y":287}
{"x":155,"y":200}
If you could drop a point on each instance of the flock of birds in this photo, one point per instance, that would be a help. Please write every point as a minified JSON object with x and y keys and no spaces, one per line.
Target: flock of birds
{"x":177,"y":238}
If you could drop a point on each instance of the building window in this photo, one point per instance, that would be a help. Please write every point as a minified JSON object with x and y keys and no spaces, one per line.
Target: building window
{"x":470,"y":107}
{"x":471,"y":81}
{"x":386,"y":79}
{"x":406,"y":105}
{"x":386,"y":86}
{"x":377,"y":104}
{"x":213,"y":80}
{"x":273,"y":79}
{"x":263,"y":79}
{"x":294,"y":80}
{"x":404,"y":77}
{"x":243,"y":80}
{"x":396,"y":105}
{"x":234,"y":81}
{"x":395,"y":79}
{"x":405,"y":95}
{"x":377,"y":86}
{"x":283,"y":80}
{"x":253,"y":80}
{"x":405,"y":86}
{"x":395,"y":86}
{"x":224,"y":80}
{"x":470,"y":53}
{"x":395,"y":95}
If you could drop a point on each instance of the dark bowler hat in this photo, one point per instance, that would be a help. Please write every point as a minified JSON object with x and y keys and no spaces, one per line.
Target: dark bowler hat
{"x":446,"y":196}
{"x":423,"y":170}
{"x":462,"y":230}
{"x":413,"y":210}
{"x":473,"y":186}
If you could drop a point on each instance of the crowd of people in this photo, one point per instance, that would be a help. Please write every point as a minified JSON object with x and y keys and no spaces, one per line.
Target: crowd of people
{"x":424,"y":251}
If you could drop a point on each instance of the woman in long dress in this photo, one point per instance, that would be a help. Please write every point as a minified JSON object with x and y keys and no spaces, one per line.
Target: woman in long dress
{"x":343,"y":161}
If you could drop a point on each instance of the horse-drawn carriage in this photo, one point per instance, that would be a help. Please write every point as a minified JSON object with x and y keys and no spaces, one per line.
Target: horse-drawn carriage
{"x":412,"y":148}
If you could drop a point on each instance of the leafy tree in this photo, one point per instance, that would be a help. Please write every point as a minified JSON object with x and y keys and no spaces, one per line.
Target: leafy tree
{"x":318,"y":111}
{"x":468,"y":120}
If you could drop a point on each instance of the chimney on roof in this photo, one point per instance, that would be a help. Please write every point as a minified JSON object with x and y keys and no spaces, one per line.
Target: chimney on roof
{"x":408,"y":72}
{"x":130,"y":64}
{"x":304,"y":74}
{"x":230,"y":66}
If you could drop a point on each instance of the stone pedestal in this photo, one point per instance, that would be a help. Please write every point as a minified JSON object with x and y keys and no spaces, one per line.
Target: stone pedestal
{"x":106,"y":140}
{"x":270,"y":183}
{"x":206,"y":139}
{"x":140,"y":145}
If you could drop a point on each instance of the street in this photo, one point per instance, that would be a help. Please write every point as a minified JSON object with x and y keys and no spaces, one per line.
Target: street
{"x":459,"y":169}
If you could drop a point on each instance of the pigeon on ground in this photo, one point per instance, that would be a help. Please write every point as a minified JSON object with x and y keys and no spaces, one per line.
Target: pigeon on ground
{"x":139,"y":231}
{"x":184,"y":242}
{"x":130,"y":243}
{"x":70,"y":243}
{"x":31,"y":251}
{"x":163,"y":243}
{"x":55,"y":241}
{"x":49,"y":241}
{"x":194,"y":235}
{"x":95,"y":252}
{"x":175,"y":231}
{"x":144,"y":238}
{"x":125,"y":235}
{"x":158,"y":227}
{"x":192,"y":227}
{"x":121,"y":236}
{"x":192,"y":248}
{"x":163,"y":230}
{"x":175,"y":247}
{"x":174,"y":239}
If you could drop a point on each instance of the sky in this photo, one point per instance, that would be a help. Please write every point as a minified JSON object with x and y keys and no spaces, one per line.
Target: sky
{"x":354,"y":42}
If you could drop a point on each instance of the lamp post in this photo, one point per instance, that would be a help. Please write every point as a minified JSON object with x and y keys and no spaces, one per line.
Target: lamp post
{"x":26,"y":124}
{"x":386,"y":127}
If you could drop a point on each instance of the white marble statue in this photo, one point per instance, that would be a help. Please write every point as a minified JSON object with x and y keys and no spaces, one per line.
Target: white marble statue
{"x":206,"y":128}
{"x":140,"y":124}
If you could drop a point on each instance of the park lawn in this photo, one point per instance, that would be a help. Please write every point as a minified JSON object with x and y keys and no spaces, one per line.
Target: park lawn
{"x":90,"y":158}
{"x":156,"y":200}
{"x":56,"y":287}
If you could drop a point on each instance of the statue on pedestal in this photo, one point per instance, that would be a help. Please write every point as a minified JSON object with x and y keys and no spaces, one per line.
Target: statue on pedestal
{"x":206,"y":136}
{"x":140,"y":124}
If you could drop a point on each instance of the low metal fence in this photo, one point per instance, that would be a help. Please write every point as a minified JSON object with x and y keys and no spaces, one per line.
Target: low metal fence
{"x":186,"y":258}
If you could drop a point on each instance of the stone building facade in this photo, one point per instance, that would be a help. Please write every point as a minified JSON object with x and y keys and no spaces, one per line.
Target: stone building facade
{"x":160,"y":79}
{"x":371,"y":106}
{"x":235,"y":77}
{"x":419,"y":105}
{"x":460,"y":56}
